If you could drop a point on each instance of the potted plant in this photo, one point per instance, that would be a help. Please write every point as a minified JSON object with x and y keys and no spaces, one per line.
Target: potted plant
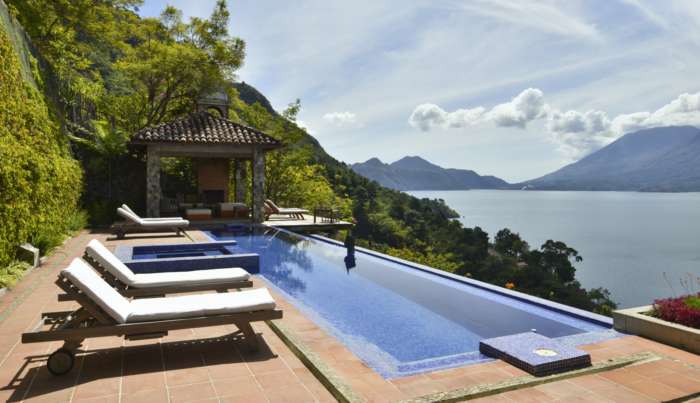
{"x":673,"y":321}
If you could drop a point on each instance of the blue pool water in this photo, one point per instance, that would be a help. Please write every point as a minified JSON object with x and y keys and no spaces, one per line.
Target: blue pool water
{"x":397,"y":318}
{"x":194,"y":250}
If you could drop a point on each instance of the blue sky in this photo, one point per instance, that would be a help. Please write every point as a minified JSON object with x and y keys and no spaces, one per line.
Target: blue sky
{"x":505,"y":87}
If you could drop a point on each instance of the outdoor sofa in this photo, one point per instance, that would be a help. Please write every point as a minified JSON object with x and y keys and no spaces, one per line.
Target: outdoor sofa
{"x":130,"y":284}
{"x":104,"y":312}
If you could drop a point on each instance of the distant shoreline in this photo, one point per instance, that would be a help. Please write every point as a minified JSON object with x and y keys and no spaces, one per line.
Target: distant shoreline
{"x":556,"y":190}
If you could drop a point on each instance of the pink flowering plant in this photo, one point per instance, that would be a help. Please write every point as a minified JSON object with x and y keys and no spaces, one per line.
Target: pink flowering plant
{"x":684,"y":310}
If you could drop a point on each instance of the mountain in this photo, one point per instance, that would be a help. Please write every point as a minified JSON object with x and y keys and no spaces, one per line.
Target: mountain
{"x":665,"y":159}
{"x":415,"y":173}
{"x":250,"y":95}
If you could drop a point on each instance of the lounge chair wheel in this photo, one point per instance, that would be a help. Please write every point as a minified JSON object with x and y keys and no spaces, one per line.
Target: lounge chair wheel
{"x":60,"y":362}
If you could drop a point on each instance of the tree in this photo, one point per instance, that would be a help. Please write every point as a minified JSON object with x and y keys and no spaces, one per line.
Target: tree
{"x":510,"y":244}
{"x":106,"y":141}
{"x":554,"y":257}
{"x":172,"y":64}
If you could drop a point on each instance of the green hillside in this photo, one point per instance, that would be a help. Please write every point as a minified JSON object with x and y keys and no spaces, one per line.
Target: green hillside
{"x":117,"y":72}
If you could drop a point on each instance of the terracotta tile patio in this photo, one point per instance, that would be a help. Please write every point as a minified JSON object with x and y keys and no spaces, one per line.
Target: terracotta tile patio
{"x":208,"y":365}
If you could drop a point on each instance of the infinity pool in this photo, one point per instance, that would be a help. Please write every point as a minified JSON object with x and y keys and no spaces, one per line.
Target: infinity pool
{"x":402,"y":319}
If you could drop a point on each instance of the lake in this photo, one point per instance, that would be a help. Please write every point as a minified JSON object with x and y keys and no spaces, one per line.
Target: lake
{"x":628,"y":240}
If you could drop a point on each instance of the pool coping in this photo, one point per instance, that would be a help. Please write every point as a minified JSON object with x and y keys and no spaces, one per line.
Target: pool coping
{"x":554,"y":306}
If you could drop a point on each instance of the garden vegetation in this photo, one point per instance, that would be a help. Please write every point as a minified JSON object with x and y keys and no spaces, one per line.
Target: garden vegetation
{"x":40,"y":183}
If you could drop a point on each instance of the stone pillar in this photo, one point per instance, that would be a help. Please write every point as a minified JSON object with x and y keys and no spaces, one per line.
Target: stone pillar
{"x":241,"y":184}
{"x":153,"y":182}
{"x":258,"y":184}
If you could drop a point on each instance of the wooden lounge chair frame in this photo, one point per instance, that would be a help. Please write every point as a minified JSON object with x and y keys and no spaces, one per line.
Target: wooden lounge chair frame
{"x":134,"y":292}
{"x":120,"y":229}
{"x":73,"y":327}
{"x":271,"y":208}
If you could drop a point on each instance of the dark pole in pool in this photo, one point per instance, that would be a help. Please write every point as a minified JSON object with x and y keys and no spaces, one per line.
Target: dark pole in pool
{"x":350,"y":256}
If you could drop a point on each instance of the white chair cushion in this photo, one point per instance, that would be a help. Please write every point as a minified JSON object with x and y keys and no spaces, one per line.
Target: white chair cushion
{"x":129,"y":216}
{"x":111,"y":263}
{"x":127,"y":208}
{"x":170,"y":222}
{"x":82,"y":276}
{"x":195,"y":277}
{"x":161,"y":222}
{"x":188,"y":306}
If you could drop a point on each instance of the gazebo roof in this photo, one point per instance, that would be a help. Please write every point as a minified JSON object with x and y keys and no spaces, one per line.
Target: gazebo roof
{"x":204,"y":128}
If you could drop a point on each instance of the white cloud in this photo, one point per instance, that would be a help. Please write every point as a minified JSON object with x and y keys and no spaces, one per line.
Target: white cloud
{"x":579,"y":134}
{"x":552,"y":18}
{"x":341,"y":119}
{"x":523,"y":108}
{"x":428,"y":116}
{"x":576,"y":133}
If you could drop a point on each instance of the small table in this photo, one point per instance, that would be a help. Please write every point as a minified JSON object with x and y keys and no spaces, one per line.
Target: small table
{"x":325,"y":214}
{"x":233,"y":210}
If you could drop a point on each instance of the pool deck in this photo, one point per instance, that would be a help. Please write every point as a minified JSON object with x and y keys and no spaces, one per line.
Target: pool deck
{"x":207,"y":365}
{"x":283,"y":221}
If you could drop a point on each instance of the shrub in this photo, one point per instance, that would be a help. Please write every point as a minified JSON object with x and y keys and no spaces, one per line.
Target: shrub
{"x":39,"y":181}
{"x":11,"y":273}
{"x":684,"y":310}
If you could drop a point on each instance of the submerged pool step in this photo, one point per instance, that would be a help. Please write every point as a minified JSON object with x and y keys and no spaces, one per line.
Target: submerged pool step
{"x":534,"y":353}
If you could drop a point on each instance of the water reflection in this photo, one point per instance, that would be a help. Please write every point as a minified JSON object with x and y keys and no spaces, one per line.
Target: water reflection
{"x":280,"y":262}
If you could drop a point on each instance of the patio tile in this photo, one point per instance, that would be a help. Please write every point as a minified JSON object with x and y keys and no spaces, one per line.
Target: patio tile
{"x":683,"y":383}
{"x":621,"y":394}
{"x":146,"y":396}
{"x":192,"y":392}
{"x":186,"y":376}
{"x":294,"y":393}
{"x":238,"y":386}
{"x":98,"y":399}
{"x":655,"y":390}
{"x":562,"y":390}
{"x":651,"y":369}
{"x":256,"y":397}
{"x":275,"y":379}
{"x":133,"y":384}
{"x":623,"y":376}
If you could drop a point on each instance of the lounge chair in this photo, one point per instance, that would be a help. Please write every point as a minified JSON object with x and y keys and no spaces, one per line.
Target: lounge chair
{"x":135,"y":223}
{"x":127,"y":208}
{"x":272,"y":208}
{"x":104,"y":312}
{"x":130,"y":284}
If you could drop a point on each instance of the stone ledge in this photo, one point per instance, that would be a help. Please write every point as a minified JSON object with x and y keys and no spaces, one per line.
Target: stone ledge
{"x":635,"y":321}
